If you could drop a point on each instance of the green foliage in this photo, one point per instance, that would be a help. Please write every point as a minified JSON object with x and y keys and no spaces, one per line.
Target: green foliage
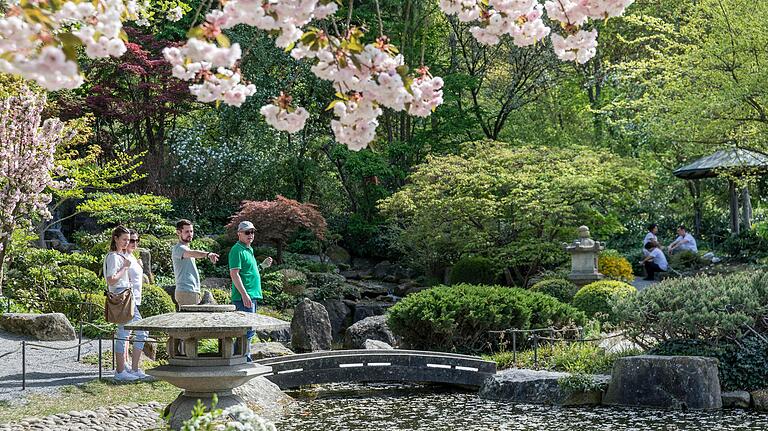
{"x":615,"y":266}
{"x":747,"y":246}
{"x":578,"y":358}
{"x":581,"y":383}
{"x":559,"y":288}
{"x":685,"y":260}
{"x":294,"y":281}
{"x":142,"y":212}
{"x":515,"y":203}
{"x":701,"y":307}
{"x":742,"y":364}
{"x":81,"y":279}
{"x":272,"y":292}
{"x":160,"y":250}
{"x":596,"y":299}
{"x":325,"y":285}
{"x":154,"y":301}
{"x":474,"y":270}
{"x":459,"y":318}
{"x":76,"y":305}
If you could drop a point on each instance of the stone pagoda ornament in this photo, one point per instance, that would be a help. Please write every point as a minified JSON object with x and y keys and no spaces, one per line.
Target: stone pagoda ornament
{"x":584,"y":254}
{"x":201,"y":373}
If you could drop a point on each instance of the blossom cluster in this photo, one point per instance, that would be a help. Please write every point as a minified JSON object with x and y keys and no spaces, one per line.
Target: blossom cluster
{"x":235,"y":418}
{"x":28,"y":36}
{"x":26,"y":161}
{"x":522,"y":20}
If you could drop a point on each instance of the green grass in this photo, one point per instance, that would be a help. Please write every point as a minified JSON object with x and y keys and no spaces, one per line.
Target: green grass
{"x":89,"y":396}
{"x":579,"y":358}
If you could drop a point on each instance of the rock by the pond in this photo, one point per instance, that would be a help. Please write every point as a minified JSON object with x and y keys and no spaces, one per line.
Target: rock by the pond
{"x":264,"y":398}
{"x":538,"y":387}
{"x":371,"y":328}
{"x":736,"y":400}
{"x":44,"y":327}
{"x":339,"y":313}
{"x":676,"y":382}
{"x":376,"y":345}
{"x":269,"y":350}
{"x":310,"y":327}
{"x":365,"y":309}
{"x":760,"y":400}
{"x":338,"y":255}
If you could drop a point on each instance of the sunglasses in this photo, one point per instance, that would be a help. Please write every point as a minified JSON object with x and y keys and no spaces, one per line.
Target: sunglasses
{"x":250,"y":232}
{"x":133,"y":241}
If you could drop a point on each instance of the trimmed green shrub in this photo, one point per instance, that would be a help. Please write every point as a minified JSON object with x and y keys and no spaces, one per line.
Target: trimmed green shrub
{"x":459,"y":318}
{"x":595,"y":299}
{"x":160,"y":250}
{"x":742,"y":366}
{"x":325,"y":285}
{"x":77,"y":306}
{"x":154,"y":301}
{"x":748,"y":245}
{"x":558,"y":288}
{"x":473,"y":270}
{"x":701,"y":307}
{"x":272,"y":292}
{"x":294,"y":281}
{"x":685,"y":260}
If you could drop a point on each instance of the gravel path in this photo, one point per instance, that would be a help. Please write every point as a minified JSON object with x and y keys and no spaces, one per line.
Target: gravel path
{"x":47,"y":370}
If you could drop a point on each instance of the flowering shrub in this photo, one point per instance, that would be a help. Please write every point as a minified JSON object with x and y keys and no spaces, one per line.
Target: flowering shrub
{"x":235,"y":418}
{"x":615,"y":266}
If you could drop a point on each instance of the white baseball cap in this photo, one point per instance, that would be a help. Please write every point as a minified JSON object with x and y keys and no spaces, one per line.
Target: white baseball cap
{"x":245,"y":225}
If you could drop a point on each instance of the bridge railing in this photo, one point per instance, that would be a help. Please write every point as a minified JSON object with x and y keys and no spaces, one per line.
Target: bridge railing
{"x":378,"y":365}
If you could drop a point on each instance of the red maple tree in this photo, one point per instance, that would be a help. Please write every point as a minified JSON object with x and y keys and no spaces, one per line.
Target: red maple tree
{"x":276,"y":221}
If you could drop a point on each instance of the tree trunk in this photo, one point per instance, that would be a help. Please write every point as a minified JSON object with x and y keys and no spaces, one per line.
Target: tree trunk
{"x":746,"y":209}
{"x":734,"y":207}
{"x":695,"y":189}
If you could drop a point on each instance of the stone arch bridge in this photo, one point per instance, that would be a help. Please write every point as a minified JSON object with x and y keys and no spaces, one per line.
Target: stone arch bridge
{"x":338,"y":366}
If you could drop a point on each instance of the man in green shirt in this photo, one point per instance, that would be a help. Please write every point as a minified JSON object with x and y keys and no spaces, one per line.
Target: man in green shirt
{"x":244,"y":271}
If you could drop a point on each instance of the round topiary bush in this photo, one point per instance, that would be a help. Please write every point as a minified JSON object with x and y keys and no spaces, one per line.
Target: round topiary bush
{"x":459,"y":318}
{"x":154,"y":301}
{"x":79,"y":278}
{"x":559,"y":288}
{"x":77,"y":306}
{"x":473,"y":270}
{"x":615,"y":266}
{"x":596,"y":299}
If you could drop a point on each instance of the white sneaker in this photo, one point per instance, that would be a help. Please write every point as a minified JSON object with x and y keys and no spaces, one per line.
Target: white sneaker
{"x":138,"y":373}
{"x":125,"y":376}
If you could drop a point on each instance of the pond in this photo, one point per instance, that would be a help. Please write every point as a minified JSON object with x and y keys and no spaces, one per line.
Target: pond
{"x":385,"y":407}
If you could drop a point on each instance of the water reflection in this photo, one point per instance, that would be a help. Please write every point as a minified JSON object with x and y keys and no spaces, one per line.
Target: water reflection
{"x":349,"y":407}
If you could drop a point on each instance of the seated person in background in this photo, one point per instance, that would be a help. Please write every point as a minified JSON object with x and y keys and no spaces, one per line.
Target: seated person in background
{"x":683,"y":242}
{"x":653,"y":229}
{"x":655,"y":261}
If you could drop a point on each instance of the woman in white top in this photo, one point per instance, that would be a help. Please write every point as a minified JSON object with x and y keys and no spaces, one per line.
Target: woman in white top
{"x":116,"y":266}
{"x":136,"y":278}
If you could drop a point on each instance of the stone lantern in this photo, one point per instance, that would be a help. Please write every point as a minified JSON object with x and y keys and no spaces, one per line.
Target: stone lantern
{"x":584,"y":254}
{"x":203,"y":374}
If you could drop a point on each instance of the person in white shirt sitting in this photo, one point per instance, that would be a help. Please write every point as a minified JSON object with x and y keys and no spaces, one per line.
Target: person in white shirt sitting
{"x":655,"y":261}
{"x":653,"y":230}
{"x":684,"y":241}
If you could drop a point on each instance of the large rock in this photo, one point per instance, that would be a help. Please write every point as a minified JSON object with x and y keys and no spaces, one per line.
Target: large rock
{"x":310,"y":327}
{"x":736,"y":400}
{"x":264,"y":398}
{"x":340,"y":315}
{"x":672,"y":382}
{"x":338,"y":255}
{"x":371,"y":328}
{"x":539,"y":387}
{"x":760,"y":400}
{"x":366,"y":309}
{"x":376,"y":345}
{"x":222,"y":283}
{"x":269,"y":350}
{"x":44,"y":327}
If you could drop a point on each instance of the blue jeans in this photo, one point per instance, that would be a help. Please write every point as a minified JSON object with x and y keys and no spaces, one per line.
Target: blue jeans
{"x":123,"y":334}
{"x":249,"y":335}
